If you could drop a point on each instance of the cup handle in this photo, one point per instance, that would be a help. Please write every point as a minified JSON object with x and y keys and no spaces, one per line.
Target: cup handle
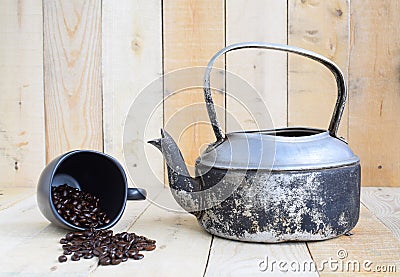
{"x":136,"y":194}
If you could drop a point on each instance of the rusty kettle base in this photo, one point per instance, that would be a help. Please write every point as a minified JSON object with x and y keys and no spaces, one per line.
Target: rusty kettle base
{"x":285,"y":206}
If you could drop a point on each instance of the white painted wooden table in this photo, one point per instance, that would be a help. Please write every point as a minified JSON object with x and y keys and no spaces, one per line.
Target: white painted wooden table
{"x":29,"y":244}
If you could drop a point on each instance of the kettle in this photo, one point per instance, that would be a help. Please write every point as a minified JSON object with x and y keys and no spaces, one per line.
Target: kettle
{"x":287,"y":184}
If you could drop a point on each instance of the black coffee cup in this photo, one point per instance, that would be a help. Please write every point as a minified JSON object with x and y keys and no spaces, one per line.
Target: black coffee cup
{"x":90,"y":171}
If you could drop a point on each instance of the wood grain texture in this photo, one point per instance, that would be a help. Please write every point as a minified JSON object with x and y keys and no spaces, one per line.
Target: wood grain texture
{"x":182,"y":246}
{"x":22,"y":227}
{"x":132,"y":67}
{"x":19,"y":222}
{"x":233,"y":258}
{"x":72,"y":75}
{"x":384,"y":203}
{"x":322,"y":27}
{"x":11,"y":195}
{"x":371,"y":241}
{"x":22,"y":143}
{"x":375,"y":90}
{"x":264,"y":70}
{"x":193,"y":32}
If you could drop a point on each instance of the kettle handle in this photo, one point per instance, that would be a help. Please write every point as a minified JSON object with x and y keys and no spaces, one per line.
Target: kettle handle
{"x":340,"y":81}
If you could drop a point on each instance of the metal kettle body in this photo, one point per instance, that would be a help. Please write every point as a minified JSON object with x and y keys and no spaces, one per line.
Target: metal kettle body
{"x":277,"y":185}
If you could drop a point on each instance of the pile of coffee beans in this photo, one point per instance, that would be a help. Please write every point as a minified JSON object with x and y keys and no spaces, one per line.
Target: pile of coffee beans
{"x":78,"y":207}
{"x":109,"y":248}
{"x":82,"y":209}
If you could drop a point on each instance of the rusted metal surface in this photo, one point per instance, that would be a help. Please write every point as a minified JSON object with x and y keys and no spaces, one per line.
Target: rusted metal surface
{"x":286,"y":206}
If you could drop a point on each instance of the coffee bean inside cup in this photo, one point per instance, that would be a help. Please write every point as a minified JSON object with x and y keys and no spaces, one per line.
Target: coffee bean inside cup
{"x":109,"y":248}
{"x":79,"y":208}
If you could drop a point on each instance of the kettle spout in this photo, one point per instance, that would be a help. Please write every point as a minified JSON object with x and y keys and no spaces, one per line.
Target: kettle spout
{"x":183,"y":187}
{"x":156,"y":143}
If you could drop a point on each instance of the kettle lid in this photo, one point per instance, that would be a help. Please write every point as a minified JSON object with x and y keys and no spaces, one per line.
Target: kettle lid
{"x":280,"y":149}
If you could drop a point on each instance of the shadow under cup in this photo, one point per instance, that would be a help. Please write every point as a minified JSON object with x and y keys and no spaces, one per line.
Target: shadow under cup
{"x":89,"y":171}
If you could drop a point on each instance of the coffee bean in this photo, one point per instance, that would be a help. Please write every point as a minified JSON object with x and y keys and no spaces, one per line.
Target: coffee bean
{"x":88,"y":256}
{"x":88,"y":233}
{"x":75,"y":257}
{"x":105,"y":261}
{"x":138,"y":256}
{"x":79,"y":208}
{"x":78,"y":234}
{"x":77,"y":241}
{"x":107,"y":240}
{"x":150,"y":247}
{"x":87,"y":214}
{"x":69,"y":236}
{"x":106,"y":255}
{"x":133,"y":248}
{"x":119,"y":254}
{"x":62,"y":259}
{"x":98,"y":251}
{"x":78,"y":253}
{"x":116,"y":261}
{"x":108,"y":247}
{"x":132,"y":253}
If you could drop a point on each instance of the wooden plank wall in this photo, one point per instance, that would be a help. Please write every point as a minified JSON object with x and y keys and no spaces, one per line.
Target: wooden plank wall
{"x":132,"y":59}
{"x":22,"y":136}
{"x":69,"y":71}
{"x":72,"y":75}
{"x":192,"y":32}
{"x":264,"y":70}
{"x":374,"y":123}
{"x":322,"y":27}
